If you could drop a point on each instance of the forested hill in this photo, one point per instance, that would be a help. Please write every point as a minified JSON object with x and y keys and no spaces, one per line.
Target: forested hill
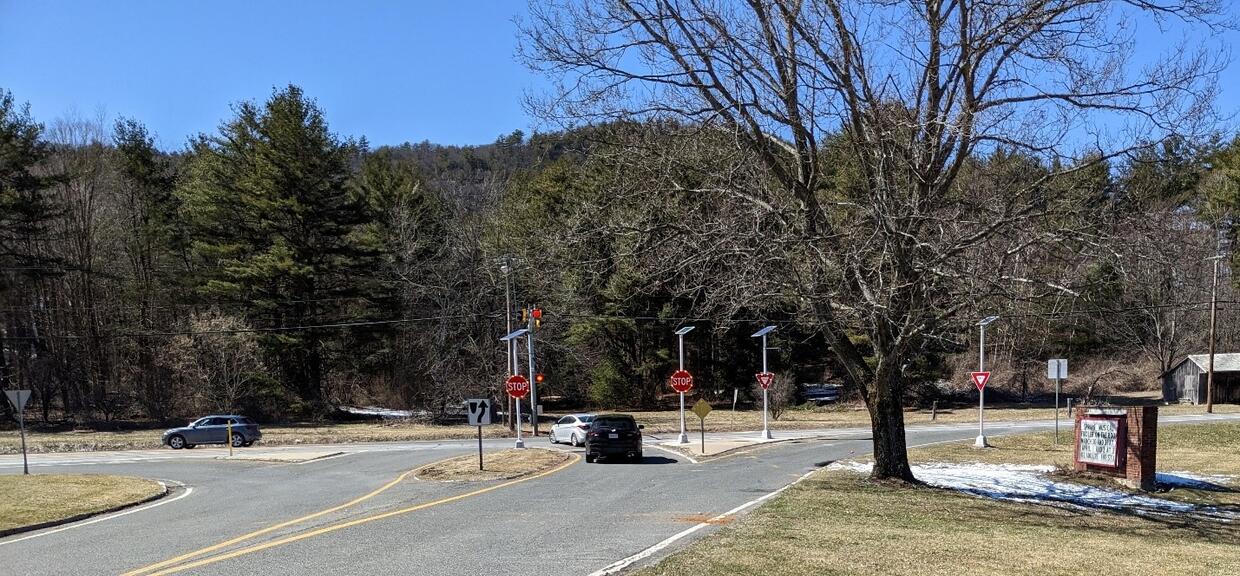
{"x":276,"y":268}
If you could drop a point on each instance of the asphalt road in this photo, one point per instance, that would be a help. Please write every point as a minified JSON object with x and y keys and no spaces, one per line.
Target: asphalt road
{"x":577,"y":520}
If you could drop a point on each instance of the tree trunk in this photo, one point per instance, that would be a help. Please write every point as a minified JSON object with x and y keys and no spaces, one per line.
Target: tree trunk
{"x":887,"y":425}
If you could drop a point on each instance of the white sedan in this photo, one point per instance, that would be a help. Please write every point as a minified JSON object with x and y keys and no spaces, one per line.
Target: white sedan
{"x":571,"y":429}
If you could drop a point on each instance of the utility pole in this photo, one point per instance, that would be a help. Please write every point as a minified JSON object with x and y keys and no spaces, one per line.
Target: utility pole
{"x":534,"y":315}
{"x":1213,"y":314}
{"x":506,"y":268}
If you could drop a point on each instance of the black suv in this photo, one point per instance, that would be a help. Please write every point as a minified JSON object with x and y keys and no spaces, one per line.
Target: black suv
{"x":614,"y":435}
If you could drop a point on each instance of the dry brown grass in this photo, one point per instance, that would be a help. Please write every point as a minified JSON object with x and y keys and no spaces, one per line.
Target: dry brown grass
{"x":839,"y":523}
{"x":39,"y":498}
{"x":656,"y":422}
{"x":505,"y":465}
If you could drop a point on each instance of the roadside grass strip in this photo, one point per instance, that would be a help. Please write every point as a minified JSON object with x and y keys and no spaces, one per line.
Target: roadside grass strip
{"x":185,"y":562}
{"x":839,"y":522}
{"x":41,"y":500}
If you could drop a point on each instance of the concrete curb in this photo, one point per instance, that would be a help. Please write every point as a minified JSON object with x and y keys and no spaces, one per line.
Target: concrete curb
{"x":737,"y":450}
{"x":79,"y":517}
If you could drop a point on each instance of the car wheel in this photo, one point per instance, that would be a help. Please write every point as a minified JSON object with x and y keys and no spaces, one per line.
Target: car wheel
{"x":551,"y":437}
{"x":238,"y":440}
{"x":576,"y":441}
{"x":176,"y":442}
{"x":590,"y":459}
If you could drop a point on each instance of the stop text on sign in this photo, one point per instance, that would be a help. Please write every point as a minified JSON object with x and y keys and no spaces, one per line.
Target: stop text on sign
{"x":682,"y":381}
{"x":518,"y":386}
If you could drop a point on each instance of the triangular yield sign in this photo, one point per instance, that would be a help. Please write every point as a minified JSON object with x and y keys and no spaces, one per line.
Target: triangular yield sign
{"x":765,"y":379}
{"x":980,"y":379}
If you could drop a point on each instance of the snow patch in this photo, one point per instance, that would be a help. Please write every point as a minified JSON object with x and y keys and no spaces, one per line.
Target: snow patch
{"x":1019,"y":483}
{"x":376,"y":411}
{"x":1178,"y":479}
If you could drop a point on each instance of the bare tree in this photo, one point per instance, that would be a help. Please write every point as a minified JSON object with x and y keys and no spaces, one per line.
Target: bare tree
{"x":887,"y":244}
{"x":217,"y":359}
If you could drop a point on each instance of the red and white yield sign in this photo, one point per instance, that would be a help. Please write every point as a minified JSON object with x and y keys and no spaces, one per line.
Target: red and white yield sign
{"x":518,"y":386}
{"x":980,"y":379}
{"x":682,"y":381}
{"x":765,"y":379}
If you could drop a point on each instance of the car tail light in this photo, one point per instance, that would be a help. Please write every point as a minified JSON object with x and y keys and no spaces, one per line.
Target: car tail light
{"x":584,"y":426}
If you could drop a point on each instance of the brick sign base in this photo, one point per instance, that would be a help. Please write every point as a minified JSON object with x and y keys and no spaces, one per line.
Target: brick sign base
{"x":1136,"y":445}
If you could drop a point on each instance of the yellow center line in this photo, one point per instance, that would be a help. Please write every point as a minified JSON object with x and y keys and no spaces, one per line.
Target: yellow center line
{"x":343,"y":525}
{"x":269,"y":529}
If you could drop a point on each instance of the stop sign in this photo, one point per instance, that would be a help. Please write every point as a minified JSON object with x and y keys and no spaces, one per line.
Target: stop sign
{"x":682,"y":381}
{"x":518,"y":386}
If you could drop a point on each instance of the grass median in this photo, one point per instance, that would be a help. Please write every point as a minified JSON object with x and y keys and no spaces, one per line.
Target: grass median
{"x":503,"y":465}
{"x":838,"y":522}
{"x":43,"y":498}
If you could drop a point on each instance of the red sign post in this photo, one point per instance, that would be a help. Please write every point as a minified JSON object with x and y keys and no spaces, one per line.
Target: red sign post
{"x":518,"y":386}
{"x":682,"y":381}
{"x":765,"y":379}
{"x":980,"y":379}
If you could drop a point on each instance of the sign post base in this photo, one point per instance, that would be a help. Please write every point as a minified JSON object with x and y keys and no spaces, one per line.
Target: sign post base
{"x":766,"y":435}
{"x":981,"y":442}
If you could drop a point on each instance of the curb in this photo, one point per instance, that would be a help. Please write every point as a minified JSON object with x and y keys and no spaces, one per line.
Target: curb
{"x":738,"y":449}
{"x":79,"y":517}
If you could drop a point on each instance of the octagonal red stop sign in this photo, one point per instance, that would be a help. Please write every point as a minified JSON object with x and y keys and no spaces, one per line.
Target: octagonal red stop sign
{"x":518,"y":386}
{"x":682,"y":381}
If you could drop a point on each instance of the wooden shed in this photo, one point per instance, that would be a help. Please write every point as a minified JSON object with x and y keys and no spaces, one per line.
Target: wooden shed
{"x":1186,"y":382}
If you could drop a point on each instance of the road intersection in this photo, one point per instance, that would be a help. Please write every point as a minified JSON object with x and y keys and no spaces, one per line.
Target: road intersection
{"x":361,"y":512}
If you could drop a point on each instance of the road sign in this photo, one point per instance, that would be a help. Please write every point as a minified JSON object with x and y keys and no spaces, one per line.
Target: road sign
{"x":765,"y":379}
{"x":980,"y":379}
{"x":479,"y":410}
{"x":682,"y":381}
{"x":702,"y":408}
{"x":1057,"y":369}
{"x":518,"y":386}
{"x":18,"y":398}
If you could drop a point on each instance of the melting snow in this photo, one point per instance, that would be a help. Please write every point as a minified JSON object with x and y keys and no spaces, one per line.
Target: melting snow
{"x":1019,"y":483}
{"x":1198,"y":481}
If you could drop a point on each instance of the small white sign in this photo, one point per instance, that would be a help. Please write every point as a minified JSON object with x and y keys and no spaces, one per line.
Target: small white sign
{"x":479,"y":410}
{"x":1099,"y":442}
{"x":1057,"y":369}
{"x":18,"y":398}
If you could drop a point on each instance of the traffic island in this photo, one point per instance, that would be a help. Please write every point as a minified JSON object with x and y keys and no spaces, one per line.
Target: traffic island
{"x":504,"y":465}
{"x":37,"y":501}
{"x":718,"y":448}
{"x":281,"y":457}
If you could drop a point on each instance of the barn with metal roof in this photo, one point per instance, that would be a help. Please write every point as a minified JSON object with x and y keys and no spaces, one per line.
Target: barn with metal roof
{"x":1186,"y":382}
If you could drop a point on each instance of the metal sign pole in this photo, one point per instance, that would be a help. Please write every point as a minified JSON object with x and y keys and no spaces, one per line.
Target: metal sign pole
{"x":21,"y":423}
{"x":766,"y":430}
{"x":529,"y":340}
{"x":479,"y":447}
{"x":981,"y":392}
{"x":1056,"y":410}
{"x":684,"y":438}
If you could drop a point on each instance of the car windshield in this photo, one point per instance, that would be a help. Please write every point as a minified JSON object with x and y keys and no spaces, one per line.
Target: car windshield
{"x":617,"y":423}
{"x":586,"y":419}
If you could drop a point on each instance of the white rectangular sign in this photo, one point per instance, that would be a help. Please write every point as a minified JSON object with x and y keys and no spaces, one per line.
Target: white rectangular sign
{"x":18,"y":398}
{"x":479,"y":411}
{"x":1099,"y":442}
{"x":1057,"y":369}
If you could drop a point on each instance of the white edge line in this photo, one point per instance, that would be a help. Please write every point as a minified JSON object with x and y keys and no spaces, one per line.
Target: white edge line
{"x":625,"y":563}
{"x":673,"y":452}
{"x":188,"y":490}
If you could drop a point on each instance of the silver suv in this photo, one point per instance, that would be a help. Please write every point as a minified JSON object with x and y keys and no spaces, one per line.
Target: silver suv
{"x":213,"y":430}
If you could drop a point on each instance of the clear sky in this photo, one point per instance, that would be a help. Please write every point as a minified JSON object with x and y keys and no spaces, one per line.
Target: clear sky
{"x":392,"y":71}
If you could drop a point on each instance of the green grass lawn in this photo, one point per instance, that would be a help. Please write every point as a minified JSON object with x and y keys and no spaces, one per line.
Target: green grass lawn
{"x":40,"y":498}
{"x":838,"y":522}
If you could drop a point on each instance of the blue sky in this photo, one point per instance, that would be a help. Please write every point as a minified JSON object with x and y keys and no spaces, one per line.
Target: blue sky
{"x":390,"y":71}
